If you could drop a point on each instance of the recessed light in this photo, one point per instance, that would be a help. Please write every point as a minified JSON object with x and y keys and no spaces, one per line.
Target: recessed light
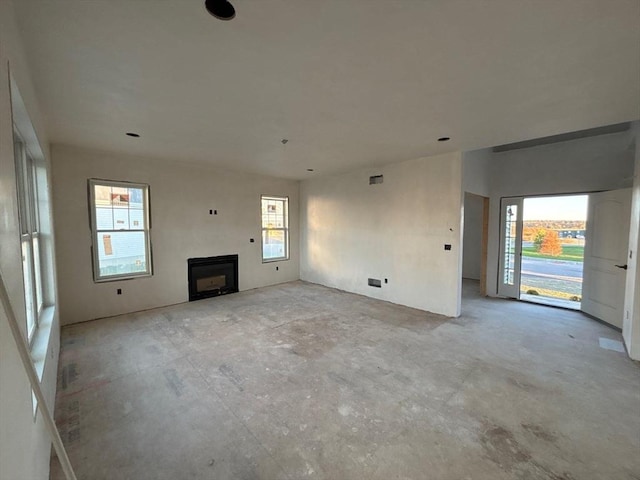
{"x":309,"y":169}
{"x":134,"y":135}
{"x":221,"y":9}
{"x":444,"y":139}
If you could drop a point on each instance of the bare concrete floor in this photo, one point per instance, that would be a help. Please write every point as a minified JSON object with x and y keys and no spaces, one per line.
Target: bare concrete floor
{"x":299,"y":380}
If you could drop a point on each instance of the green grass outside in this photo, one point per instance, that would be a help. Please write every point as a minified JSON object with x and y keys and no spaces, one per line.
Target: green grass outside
{"x":574,"y":253}
{"x":546,"y":292}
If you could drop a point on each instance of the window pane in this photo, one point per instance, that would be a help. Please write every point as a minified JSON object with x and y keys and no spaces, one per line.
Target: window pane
{"x":273,"y":244}
{"x":121,"y":253}
{"x":37,"y":270}
{"x":136,"y":219}
{"x":102,"y":196}
{"x":104,"y":218}
{"x":120,"y":219}
{"x":33,"y":190}
{"x":273,"y":213}
{"x":27,"y":265}
{"x":510,"y":244}
{"x":136,"y":198}
{"x":119,"y":208}
{"x":120,"y":197}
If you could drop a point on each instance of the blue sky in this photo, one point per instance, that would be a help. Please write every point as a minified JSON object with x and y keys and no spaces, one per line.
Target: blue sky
{"x":572,"y":207}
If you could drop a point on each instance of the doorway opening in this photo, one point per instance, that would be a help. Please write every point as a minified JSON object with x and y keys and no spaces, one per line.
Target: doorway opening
{"x":475,"y":241}
{"x":603,"y":249}
{"x":552,"y":250}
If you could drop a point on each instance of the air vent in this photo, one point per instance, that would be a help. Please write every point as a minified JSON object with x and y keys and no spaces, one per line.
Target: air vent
{"x":375,"y":180}
{"x":374,"y":282}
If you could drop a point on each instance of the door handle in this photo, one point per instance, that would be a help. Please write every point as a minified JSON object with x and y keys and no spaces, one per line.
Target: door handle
{"x":624,"y":267}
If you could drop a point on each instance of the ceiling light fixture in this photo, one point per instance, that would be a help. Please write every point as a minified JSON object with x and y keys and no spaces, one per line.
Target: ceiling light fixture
{"x":444,"y":139}
{"x":134,"y":135}
{"x":221,"y":9}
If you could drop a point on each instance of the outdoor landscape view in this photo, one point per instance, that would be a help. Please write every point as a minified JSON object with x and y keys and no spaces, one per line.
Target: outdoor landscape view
{"x":553,"y":241}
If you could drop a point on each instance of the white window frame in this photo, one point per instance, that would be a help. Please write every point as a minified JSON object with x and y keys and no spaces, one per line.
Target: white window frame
{"x":28,"y":214}
{"x":26,"y":145}
{"x":284,"y":229}
{"x":92,"y":183}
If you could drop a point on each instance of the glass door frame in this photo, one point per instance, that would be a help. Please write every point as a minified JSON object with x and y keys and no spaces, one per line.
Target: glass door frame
{"x":510,"y":258}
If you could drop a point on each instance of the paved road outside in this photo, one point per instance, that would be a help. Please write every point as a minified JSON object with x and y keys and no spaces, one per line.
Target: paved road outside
{"x":559,"y":275}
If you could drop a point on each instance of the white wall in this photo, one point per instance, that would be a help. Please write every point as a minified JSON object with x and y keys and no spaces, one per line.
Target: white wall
{"x":352,"y":231}
{"x":24,"y":443}
{"x":631,"y":322}
{"x":181,"y":197}
{"x":476,"y":172}
{"x":585,"y":165}
{"x":472,"y":239}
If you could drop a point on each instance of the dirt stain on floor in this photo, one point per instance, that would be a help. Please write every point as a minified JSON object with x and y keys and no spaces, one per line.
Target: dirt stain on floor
{"x":502,"y":448}
{"x":522,"y":385}
{"x":232,"y":376}
{"x":311,"y":338}
{"x":539,"y":432}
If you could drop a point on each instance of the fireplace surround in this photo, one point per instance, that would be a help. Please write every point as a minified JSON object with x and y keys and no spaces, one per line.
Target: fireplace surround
{"x":212,"y":276}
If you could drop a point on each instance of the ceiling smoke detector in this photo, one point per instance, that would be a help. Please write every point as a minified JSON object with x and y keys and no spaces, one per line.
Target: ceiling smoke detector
{"x":221,"y":9}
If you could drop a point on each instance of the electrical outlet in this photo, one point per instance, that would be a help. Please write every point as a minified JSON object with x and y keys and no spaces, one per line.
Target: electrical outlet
{"x":447,"y":246}
{"x":277,"y":268}
{"x":119,"y":291}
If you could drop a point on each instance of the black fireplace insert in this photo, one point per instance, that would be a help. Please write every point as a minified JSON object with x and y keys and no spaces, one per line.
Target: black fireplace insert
{"x":212,"y":276}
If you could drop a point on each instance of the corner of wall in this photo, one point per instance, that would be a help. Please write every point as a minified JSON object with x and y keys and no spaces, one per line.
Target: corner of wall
{"x":631,"y":321}
{"x":24,"y":443}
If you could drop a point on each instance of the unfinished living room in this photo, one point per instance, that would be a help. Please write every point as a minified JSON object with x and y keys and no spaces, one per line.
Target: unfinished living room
{"x":283,"y":239}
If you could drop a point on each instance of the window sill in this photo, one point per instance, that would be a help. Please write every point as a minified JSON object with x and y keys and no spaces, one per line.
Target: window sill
{"x":272,"y":260}
{"x":41,"y":340}
{"x":121,"y":278}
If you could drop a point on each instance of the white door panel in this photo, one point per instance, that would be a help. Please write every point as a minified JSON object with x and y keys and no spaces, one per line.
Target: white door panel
{"x":607,"y":239}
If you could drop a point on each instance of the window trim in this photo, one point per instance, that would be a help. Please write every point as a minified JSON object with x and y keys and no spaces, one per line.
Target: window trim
{"x":285,"y":229}
{"x":40,"y":343}
{"x":29,"y":221}
{"x":97,"y":278}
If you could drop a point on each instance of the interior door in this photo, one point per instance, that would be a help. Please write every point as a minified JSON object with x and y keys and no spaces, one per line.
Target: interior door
{"x":510,"y":247}
{"x":605,"y":255}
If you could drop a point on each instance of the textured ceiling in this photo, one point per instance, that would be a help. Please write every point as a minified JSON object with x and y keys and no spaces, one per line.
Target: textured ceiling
{"x":348,"y":82}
